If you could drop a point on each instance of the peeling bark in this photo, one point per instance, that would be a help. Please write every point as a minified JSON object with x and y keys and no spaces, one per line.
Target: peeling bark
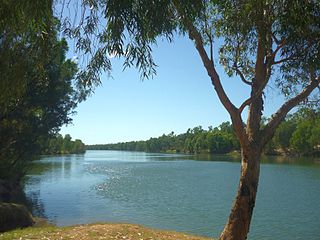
{"x":237,"y":227}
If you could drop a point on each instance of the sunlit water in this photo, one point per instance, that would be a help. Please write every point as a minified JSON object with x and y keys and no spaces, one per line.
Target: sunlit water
{"x":174,"y":192}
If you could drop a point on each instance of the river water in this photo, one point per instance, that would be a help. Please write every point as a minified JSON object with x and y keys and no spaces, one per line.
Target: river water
{"x":185,"y":193}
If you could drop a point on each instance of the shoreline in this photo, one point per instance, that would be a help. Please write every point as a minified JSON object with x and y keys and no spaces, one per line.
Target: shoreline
{"x":235,"y":153}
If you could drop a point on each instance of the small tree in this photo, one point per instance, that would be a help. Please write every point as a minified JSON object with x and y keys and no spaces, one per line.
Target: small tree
{"x":264,"y":42}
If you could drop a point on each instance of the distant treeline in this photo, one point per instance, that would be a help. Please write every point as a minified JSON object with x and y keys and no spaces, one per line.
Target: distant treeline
{"x":196,"y":140}
{"x":61,"y":145}
{"x":299,"y":134}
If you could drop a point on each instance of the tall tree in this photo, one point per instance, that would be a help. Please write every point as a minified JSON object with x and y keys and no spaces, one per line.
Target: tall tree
{"x":37,"y":94}
{"x":38,"y":112}
{"x":265,"y":42}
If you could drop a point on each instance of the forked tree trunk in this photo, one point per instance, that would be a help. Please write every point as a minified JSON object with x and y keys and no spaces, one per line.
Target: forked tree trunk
{"x":238,"y":224}
{"x":252,"y":137}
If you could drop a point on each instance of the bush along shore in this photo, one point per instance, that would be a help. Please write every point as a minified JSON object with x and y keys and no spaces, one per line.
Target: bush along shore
{"x":58,"y":144}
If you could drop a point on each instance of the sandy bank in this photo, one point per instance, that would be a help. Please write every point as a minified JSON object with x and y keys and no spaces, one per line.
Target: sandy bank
{"x":97,"y":231}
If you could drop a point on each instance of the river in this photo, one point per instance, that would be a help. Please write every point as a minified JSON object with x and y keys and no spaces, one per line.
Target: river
{"x":178,"y":192}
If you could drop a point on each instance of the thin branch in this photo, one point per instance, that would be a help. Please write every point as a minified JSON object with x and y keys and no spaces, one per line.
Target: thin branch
{"x":301,"y":52}
{"x":251,"y":99}
{"x":242,"y":77}
{"x":280,"y":115}
{"x":258,"y":93}
{"x":276,"y":40}
{"x":272,"y":56}
{"x":208,"y":33}
{"x":236,"y":66}
{"x":283,"y":60}
{"x":211,"y":49}
{"x":211,"y":45}
{"x":62,"y":10}
{"x":279,"y":46}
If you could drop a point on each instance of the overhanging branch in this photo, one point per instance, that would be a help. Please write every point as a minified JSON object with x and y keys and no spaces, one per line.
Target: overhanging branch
{"x":195,"y":36}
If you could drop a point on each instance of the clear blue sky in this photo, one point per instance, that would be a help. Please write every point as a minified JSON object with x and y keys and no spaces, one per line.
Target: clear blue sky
{"x":179,"y":97}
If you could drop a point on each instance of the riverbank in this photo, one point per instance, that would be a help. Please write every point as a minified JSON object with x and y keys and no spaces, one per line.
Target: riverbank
{"x":105,"y":231}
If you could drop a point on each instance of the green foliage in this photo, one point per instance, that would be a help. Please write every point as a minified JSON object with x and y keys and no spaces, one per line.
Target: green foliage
{"x":298,"y":134}
{"x":131,"y":28}
{"x":292,"y":25}
{"x":306,"y":138}
{"x":23,"y":23}
{"x":196,"y":140}
{"x":300,"y":140}
{"x":37,"y":94}
{"x":61,"y":145}
{"x":219,"y":142}
{"x":284,"y":133}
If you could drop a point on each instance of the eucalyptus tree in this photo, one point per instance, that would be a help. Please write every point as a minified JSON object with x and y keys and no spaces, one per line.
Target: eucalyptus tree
{"x":264,"y":43}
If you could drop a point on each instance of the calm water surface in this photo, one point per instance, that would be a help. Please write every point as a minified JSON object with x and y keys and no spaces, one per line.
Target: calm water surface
{"x":171,"y":191}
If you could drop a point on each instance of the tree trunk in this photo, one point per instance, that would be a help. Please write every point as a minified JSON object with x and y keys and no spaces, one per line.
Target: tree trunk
{"x":237,"y":227}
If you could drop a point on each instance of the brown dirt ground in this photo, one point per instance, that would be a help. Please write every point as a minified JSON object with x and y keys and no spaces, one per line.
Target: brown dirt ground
{"x":97,"y":231}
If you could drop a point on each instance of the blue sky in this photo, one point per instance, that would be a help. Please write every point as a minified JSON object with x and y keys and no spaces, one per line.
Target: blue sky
{"x":179,"y":97}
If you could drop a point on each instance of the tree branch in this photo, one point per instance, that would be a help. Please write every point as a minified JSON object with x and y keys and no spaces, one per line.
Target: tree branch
{"x":251,"y":99}
{"x":283,"y":60}
{"x":280,"y":115}
{"x":259,"y":82}
{"x":295,"y":57}
{"x":268,"y":69}
{"x":208,"y":34}
{"x":276,"y":40}
{"x":236,"y":67}
{"x":195,"y":36}
{"x":242,"y":77}
{"x":211,"y":46}
{"x":279,"y":46}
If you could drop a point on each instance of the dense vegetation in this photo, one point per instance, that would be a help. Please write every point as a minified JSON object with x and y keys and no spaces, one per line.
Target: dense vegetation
{"x":58,"y":144}
{"x":214,"y":140}
{"x":38,"y":111}
{"x":37,"y":88}
{"x":298,"y":134}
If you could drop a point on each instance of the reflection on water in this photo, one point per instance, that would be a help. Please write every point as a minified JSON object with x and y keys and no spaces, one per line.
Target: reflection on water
{"x":172,"y":191}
